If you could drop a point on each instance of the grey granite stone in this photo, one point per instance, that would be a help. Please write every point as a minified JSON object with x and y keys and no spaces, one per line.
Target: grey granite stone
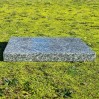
{"x":47,"y":49}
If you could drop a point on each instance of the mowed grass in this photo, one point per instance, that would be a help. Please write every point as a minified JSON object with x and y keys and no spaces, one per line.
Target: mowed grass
{"x":53,"y":18}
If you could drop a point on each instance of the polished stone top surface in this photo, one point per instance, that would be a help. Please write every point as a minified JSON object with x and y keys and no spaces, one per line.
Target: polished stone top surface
{"x":47,"y":45}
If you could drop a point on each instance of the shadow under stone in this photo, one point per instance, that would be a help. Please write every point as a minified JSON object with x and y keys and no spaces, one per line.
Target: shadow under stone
{"x":2,"y":47}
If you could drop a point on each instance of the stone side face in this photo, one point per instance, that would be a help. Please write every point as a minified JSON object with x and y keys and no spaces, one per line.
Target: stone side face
{"x":47,"y":49}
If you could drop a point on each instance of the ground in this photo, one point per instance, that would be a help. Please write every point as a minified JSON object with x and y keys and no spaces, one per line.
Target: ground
{"x":53,"y":18}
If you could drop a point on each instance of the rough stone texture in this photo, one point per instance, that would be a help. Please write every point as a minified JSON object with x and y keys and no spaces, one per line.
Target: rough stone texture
{"x":47,"y":49}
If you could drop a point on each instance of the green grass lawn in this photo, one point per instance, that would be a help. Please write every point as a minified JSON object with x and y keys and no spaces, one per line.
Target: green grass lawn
{"x":49,"y":18}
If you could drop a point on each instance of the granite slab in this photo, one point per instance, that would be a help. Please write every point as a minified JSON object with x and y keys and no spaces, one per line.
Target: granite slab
{"x":47,"y":49}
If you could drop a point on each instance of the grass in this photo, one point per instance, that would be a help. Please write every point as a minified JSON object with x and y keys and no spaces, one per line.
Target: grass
{"x":49,"y":80}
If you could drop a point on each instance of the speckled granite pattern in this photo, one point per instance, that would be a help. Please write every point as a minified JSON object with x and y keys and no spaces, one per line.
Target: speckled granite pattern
{"x":47,"y":49}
